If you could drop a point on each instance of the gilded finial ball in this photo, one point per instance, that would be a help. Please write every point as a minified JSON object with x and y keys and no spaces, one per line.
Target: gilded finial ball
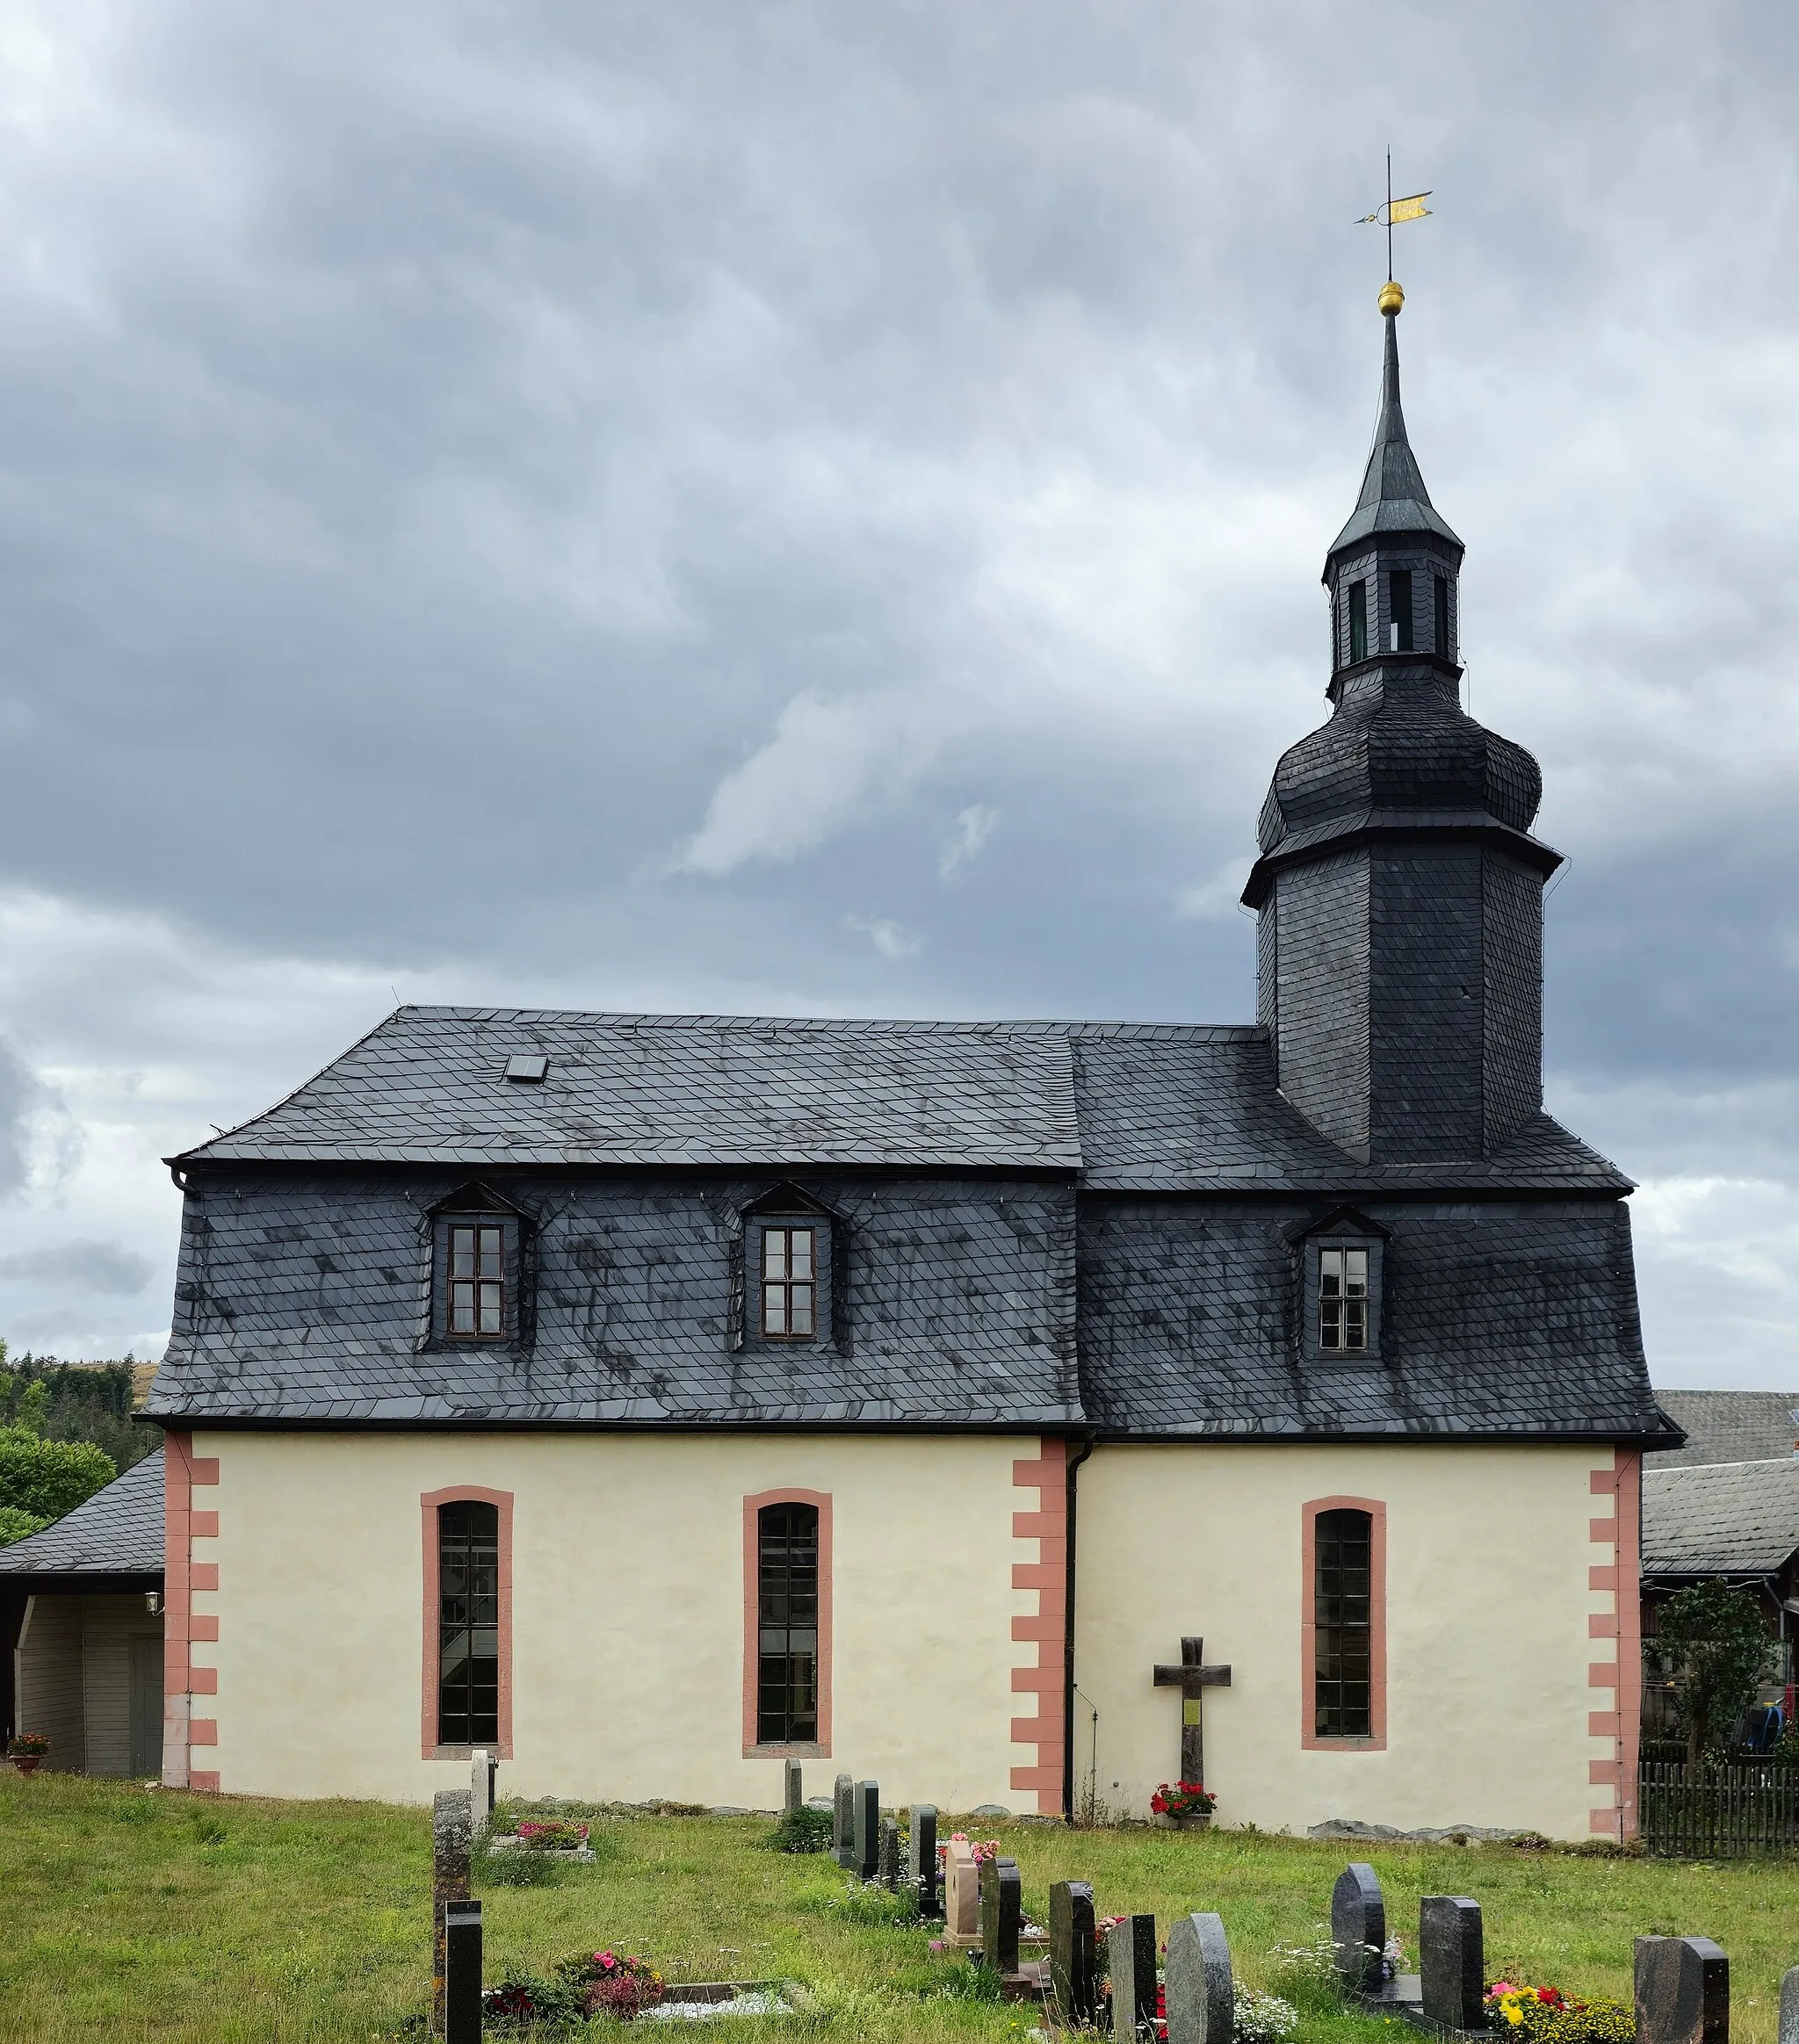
{"x":1392,"y":297}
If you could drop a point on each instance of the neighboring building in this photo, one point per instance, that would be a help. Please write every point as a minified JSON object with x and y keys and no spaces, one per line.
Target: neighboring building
{"x":1737,"y":1521}
{"x":1729,"y":1426}
{"x":81,"y":1626}
{"x":657,"y":1398}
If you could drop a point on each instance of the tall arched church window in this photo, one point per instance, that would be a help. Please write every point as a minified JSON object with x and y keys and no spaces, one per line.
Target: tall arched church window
{"x":787,"y":1622}
{"x":1345,"y":1656}
{"x":469,"y":1624}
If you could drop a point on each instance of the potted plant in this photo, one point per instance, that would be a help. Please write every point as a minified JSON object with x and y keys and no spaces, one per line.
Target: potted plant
{"x":27,"y":1750}
{"x":1183,"y":1806}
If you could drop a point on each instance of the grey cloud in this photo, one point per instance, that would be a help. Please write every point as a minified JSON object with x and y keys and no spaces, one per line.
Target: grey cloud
{"x":83,"y":1266}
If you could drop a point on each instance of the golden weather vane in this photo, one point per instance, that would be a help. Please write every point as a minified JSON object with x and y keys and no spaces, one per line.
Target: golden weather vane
{"x":1393,"y":213}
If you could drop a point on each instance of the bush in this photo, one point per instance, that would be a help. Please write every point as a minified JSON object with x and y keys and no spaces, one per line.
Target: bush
{"x":16,"y":1525}
{"x":802,"y":1830}
{"x":48,"y":1478}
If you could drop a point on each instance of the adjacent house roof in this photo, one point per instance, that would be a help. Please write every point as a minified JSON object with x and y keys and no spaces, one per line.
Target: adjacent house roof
{"x":1720,"y":1519}
{"x":1128,"y":1106}
{"x":118,"y":1532}
{"x":1728,"y":1426}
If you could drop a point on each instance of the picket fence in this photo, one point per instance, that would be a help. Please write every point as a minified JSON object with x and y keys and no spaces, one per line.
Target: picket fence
{"x":1714,"y":1812}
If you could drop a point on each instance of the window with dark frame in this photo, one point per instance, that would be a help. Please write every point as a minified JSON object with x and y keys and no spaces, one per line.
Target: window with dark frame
{"x":1342,"y":1301}
{"x":1358,"y":621}
{"x":787,"y":1619}
{"x":1443,"y":614}
{"x":1343,"y":1623}
{"x":476,"y":1300}
{"x":789,"y":1284}
{"x":469,"y":1624}
{"x":1399,"y":608}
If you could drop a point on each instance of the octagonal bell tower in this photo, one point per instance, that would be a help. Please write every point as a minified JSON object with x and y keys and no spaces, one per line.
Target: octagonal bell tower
{"x":1399,"y":892}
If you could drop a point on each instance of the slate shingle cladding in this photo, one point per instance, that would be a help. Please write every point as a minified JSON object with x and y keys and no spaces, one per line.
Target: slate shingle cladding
{"x":1396,"y":1063}
{"x":118,"y":1531}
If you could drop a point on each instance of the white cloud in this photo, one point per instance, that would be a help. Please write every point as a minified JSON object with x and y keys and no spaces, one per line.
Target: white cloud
{"x":893,"y":940}
{"x":1220,"y":896}
{"x":974,"y":825}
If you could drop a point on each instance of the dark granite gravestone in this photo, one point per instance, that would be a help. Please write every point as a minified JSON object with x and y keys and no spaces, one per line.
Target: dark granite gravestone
{"x":1683,"y":1991}
{"x":1201,"y":1997}
{"x":890,"y":1876}
{"x":462,"y":1973}
{"x":1131,"y":1949}
{"x":1073,"y":1961}
{"x":865,"y":1831}
{"x":1452,"y":1961}
{"x":921,"y":1860}
{"x":452,"y":1824}
{"x":1359,"y":1927}
{"x":1789,"y":2006}
{"x":794,"y":1793}
{"x":843,"y":1821}
{"x":1001,"y":1914}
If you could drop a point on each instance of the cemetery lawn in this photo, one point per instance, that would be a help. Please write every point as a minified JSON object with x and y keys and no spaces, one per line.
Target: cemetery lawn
{"x":130,"y":1913}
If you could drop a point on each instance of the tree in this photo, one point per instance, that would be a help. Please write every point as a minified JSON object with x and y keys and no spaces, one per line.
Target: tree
{"x":1719,"y":1650}
{"x":43,"y":1480}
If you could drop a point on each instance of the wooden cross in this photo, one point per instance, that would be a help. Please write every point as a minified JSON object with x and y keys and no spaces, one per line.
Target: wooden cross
{"x":1192,"y":1678}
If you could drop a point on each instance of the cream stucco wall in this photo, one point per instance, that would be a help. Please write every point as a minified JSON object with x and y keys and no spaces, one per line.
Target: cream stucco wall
{"x":628,"y":1612}
{"x":1488,"y":1645}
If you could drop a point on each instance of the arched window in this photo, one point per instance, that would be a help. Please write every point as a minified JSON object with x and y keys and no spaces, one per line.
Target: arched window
{"x":787,"y":1622}
{"x":469,"y":1624}
{"x":1344,"y":1701}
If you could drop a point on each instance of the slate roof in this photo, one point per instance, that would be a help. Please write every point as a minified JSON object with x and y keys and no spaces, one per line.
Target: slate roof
{"x":1720,"y":1519}
{"x":118,"y":1531}
{"x":1393,"y":496}
{"x":1730,"y":1427}
{"x":1126,"y":1106}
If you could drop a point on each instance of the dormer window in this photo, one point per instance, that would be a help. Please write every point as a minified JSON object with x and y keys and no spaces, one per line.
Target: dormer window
{"x":477,"y":1260}
{"x":477,"y":1279}
{"x":1342,"y":1302}
{"x":790,"y":1284}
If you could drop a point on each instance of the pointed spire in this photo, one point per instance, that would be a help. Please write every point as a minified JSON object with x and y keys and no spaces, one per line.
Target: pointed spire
{"x":1393,"y":496}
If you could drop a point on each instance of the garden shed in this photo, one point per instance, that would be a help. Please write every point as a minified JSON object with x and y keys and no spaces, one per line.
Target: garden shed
{"x":81,"y":1617}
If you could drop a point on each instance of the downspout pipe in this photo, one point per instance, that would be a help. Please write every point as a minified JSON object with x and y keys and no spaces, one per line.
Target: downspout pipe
{"x":1068,"y":1636}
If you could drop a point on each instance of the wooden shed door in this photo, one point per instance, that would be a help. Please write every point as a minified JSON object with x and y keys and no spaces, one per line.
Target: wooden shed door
{"x":146,"y":1706}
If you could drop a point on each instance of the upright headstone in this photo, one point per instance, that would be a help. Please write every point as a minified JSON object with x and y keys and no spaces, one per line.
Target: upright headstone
{"x":1683,"y":1991}
{"x":865,"y":1831}
{"x":1452,"y":1961}
{"x":1001,"y":1914}
{"x":1359,"y":1927}
{"x":1201,"y":1997}
{"x":449,"y":1851}
{"x":921,"y":1860}
{"x":1073,"y":1961}
{"x":794,"y":1793}
{"x":961,"y":1895}
{"x":1131,"y":1948}
{"x":889,"y":1873}
{"x":843,"y":1824}
{"x":462,"y":1973}
{"x":481,"y":1769}
{"x":1789,"y":2006}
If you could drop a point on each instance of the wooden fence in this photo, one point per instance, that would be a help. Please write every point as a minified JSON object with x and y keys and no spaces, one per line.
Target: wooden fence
{"x":1715,"y":1812}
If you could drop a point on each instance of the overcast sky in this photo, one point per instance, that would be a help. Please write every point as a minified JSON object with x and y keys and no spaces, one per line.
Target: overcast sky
{"x":820,"y":507}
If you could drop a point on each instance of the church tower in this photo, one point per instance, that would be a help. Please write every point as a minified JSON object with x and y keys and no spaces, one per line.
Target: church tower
{"x":1398,"y":893}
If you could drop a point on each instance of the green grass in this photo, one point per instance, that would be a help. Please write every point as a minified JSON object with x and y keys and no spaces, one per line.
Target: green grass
{"x":130,"y":1913}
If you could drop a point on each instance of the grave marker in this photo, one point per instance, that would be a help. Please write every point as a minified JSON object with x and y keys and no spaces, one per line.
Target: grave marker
{"x":1131,"y":1948}
{"x":843,"y":1827}
{"x":865,"y":1831}
{"x":1359,"y":1927}
{"x":1789,"y":2006}
{"x":451,"y":1826}
{"x":890,"y":1874}
{"x":462,"y":1973}
{"x":1192,"y":1677}
{"x":1683,"y":1991}
{"x":961,"y":1895}
{"x":1201,"y":1997}
{"x":921,"y":1859}
{"x":1001,"y":1914}
{"x":482,"y":1768}
{"x":1073,"y":1960}
{"x":1452,"y":1961}
{"x":793,"y":1795}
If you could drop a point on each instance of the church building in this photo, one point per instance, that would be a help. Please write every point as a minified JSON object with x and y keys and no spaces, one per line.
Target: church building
{"x":996,"y":1409}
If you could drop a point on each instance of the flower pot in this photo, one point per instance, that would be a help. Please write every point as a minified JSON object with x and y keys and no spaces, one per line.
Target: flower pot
{"x":1197,"y":1822}
{"x":27,"y":1764}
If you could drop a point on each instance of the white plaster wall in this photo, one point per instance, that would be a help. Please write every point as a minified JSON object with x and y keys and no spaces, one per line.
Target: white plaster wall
{"x":627,"y":1612}
{"x":1487,"y":1637}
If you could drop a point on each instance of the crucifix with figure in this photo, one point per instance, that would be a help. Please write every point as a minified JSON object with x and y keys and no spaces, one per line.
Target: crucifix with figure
{"x":1192,"y":1678}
